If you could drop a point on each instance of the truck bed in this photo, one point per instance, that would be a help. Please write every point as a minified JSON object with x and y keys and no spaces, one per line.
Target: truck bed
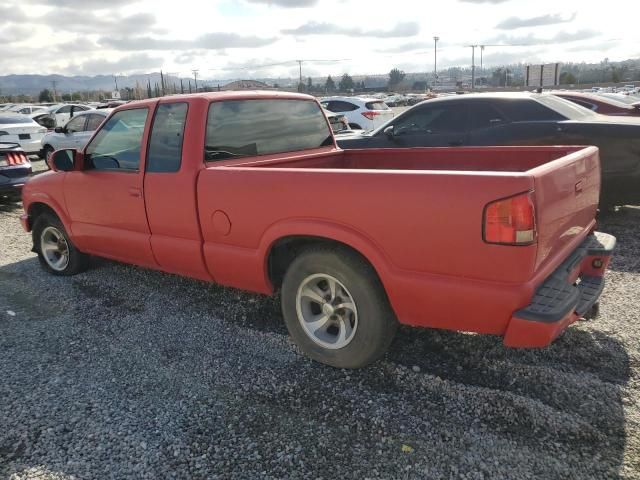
{"x":475,"y":159}
{"x":416,"y":214}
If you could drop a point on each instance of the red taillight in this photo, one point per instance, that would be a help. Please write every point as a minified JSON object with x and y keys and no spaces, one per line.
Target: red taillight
{"x":16,"y":158}
{"x":510,"y":220}
{"x":370,"y":114}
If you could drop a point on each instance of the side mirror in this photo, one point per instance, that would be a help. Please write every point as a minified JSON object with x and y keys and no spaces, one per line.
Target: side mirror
{"x":59,"y":130}
{"x":62,"y":160}
{"x":389,"y":132}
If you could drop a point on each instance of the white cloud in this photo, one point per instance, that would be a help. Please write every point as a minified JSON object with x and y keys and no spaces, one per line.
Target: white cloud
{"x":230,"y":38}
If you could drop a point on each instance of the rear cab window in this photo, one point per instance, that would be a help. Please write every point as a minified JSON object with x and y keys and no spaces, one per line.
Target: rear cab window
{"x":246,"y":128}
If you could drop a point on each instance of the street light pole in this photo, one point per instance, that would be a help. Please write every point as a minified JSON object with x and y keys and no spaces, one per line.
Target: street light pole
{"x":435,"y":60}
{"x":473,"y":67}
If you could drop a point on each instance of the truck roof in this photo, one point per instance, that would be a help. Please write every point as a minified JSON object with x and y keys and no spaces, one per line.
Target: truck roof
{"x":228,"y":95}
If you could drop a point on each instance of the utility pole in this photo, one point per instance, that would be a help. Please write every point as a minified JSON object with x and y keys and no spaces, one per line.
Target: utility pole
{"x":53,"y":84}
{"x":195,"y":80}
{"x":481,"y":50}
{"x":435,"y":60}
{"x":473,"y":66}
{"x":300,"y":70}
{"x":115,"y":81}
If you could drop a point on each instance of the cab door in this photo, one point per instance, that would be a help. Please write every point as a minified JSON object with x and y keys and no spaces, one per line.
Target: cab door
{"x":105,"y":197}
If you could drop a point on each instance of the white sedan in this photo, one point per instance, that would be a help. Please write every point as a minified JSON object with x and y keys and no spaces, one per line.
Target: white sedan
{"x":62,"y":113}
{"x":27,"y":109}
{"x":20,"y":129}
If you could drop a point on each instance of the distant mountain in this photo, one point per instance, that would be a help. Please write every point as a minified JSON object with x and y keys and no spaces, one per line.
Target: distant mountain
{"x":627,"y":70}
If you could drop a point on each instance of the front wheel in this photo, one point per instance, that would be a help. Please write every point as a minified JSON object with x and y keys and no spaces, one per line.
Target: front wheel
{"x":46,"y":152}
{"x":335,"y":308}
{"x":55,"y":251}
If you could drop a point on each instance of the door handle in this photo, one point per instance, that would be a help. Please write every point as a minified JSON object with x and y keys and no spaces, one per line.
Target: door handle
{"x":135,"y":192}
{"x":579,"y":187}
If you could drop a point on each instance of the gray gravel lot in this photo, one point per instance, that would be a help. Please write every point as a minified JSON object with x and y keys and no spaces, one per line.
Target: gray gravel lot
{"x":125,"y":373}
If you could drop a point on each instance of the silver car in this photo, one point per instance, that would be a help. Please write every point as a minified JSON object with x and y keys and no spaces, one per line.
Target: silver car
{"x":75,"y":134}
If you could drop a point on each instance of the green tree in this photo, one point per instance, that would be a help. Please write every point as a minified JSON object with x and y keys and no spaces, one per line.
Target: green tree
{"x":66,"y":97}
{"x":567,"y":78}
{"x":330,"y":85}
{"x":346,"y":82}
{"x":45,"y":96}
{"x":615,"y":75}
{"x":395,"y":77}
{"x":309,"y":84}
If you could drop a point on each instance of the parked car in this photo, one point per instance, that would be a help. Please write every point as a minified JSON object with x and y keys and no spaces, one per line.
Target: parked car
{"x":22,"y":130}
{"x":629,"y":98}
{"x":395,"y":100}
{"x":63,"y":112}
{"x":362,"y":113}
{"x":75,"y":134}
{"x":27,"y":109}
{"x":15,"y":169}
{"x":486,"y":119}
{"x":248,"y":189}
{"x":601,"y":103}
{"x":338,"y":121}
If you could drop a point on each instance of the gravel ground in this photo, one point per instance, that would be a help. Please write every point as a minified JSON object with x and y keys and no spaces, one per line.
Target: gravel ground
{"x":125,"y":373}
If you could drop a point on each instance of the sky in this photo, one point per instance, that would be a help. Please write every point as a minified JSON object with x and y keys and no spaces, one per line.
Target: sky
{"x":263,"y":38}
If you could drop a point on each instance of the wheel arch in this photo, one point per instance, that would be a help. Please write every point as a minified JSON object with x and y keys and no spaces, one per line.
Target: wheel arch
{"x":282,"y":243}
{"x":38,"y":207}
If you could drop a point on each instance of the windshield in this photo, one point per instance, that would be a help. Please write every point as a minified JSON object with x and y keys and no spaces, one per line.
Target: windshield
{"x":566,"y":108}
{"x":620,"y":99}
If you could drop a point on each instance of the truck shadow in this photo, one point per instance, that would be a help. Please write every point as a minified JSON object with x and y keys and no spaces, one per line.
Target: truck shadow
{"x":581,"y":376}
{"x":9,"y":204}
{"x":623,"y":225}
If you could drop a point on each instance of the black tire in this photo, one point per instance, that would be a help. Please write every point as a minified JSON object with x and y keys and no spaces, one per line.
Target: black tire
{"x":376,"y":325}
{"x":46,"y":151}
{"x":77,"y":261}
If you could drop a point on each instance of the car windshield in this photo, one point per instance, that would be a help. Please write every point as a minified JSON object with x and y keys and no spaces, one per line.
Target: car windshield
{"x":10,"y":119}
{"x":620,"y":99}
{"x":566,"y":108}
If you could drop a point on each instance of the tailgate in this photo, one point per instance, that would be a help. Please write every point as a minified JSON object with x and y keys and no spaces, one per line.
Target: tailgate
{"x":567,"y":191}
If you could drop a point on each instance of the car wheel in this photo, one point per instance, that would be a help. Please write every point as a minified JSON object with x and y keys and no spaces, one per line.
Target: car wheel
{"x":47,"y":151}
{"x":56,"y":252}
{"x":335,"y":308}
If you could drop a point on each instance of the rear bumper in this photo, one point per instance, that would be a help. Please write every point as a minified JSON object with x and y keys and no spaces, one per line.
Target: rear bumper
{"x":566,"y":295}
{"x":13,"y":179}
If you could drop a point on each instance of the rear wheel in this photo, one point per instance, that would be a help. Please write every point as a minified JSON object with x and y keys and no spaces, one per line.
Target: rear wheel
{"x":336,"y":309}
{"x":56,"y":252}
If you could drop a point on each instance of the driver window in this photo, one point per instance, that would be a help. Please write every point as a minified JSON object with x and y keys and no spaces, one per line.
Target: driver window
{"x":76,"y":125}
{"x":433,"y":119}
{"x":117,"y":144}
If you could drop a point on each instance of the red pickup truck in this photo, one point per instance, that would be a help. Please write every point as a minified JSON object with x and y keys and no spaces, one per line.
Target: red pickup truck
{"x":249,"y":190}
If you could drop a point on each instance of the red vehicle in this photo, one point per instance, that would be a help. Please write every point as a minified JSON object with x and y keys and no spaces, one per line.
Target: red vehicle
{"x":600,"y":104}
{"x":249,"y":190}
